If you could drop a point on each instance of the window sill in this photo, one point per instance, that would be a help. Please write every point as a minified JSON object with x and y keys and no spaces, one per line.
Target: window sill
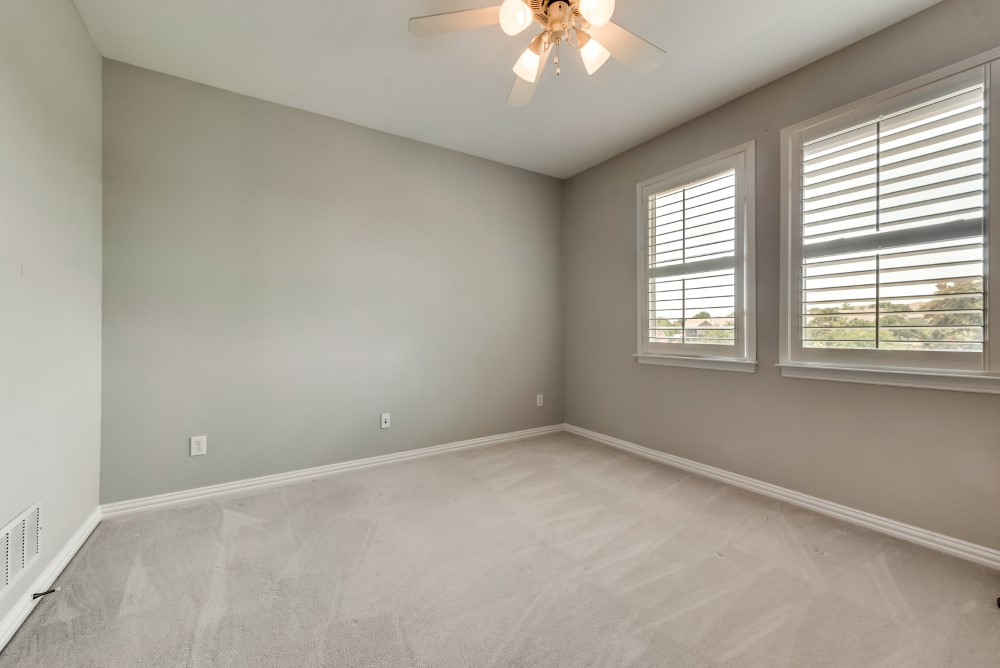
{"x":715,"y":363}
{"x":926,"y":380}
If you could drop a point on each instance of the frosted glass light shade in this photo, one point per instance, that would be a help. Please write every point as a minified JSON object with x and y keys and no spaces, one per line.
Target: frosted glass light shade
{"x":526,"y":66}
{"x":597,"y":12}
{"x":515,"y":16}
{"x":594,"y":55}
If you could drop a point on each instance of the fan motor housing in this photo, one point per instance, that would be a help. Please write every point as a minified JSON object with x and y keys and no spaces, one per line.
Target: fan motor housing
{"x":548,"y":12}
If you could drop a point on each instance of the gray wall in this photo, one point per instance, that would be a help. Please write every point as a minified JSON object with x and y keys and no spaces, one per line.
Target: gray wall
{"x":50,"y":272}
{"x":924,"y":457}
{"x":276,"y":280}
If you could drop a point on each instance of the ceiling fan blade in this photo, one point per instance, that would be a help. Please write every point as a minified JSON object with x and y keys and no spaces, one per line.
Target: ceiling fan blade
{"x":523,"y":91}
{"x":424,"y":26}
{"x":629,"y":48}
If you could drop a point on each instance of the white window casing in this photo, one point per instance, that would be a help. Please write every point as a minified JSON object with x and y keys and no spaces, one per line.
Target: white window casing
{"x":696,"y":265}
{"x":885,"y":237}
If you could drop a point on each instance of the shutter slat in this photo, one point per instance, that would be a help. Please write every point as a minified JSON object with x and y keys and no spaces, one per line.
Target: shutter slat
{"x":819,"y":147}
{"x":846,"y":192}
{"x":848,"y":154}
{"x":955,"y":138}
{"x":965,"y":185}
{"x":942,"y":108}
{"x":971,"y":151}
{"x":931,"y":208}
{"x":971,"y":119}
{"x":841,"y":206}
{"x":841,"y":219}
{"x":814,"y":177}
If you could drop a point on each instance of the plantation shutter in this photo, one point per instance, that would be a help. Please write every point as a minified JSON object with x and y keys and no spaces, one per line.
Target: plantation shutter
{"x":692,"y":263}
{"x":892,"y":231}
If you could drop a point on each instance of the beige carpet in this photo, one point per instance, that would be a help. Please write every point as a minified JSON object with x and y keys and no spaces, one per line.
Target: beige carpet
{"x":553,"y":551}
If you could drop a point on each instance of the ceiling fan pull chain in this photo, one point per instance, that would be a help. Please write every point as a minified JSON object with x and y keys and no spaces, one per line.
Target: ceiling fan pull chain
{"x":558,"y":53}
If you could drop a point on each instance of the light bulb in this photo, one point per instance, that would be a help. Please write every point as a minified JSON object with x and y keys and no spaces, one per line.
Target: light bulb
{"x":526,"y":66}
{"x":515,"y":16}
{"x":594,"y":55}
{"x":597,"y":12}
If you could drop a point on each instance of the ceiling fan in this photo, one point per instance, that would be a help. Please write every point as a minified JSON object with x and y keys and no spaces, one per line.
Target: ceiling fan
{"x":582,"y":24}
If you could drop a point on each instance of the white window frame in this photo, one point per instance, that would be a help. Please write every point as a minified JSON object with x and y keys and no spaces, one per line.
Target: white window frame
{"x":743,"y":355}
{"x":967,"y":372}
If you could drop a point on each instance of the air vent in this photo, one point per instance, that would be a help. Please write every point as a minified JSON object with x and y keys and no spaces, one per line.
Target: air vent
{"x":19,"y":545}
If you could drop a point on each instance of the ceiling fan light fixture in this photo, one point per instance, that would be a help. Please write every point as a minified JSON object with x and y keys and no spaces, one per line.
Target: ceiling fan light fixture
{"x":538,"y":44}
{"x":526,"y":66}
{"x":515,"y":17}
{"x":594,"y":55}
{"x":597,"y":12}
{"x":570,"y":23}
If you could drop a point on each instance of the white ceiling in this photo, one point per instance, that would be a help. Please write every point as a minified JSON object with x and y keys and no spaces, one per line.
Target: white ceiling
{"x":355,"y":60}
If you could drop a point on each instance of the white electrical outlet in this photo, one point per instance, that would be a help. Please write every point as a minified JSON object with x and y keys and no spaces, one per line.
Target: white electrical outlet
{"x":386,"y":423}
{"x":199,"y":445}
{"x":540,"y":400}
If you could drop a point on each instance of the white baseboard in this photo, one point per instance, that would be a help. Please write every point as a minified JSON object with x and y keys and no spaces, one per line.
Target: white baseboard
{"x":935,"y":541}
{"x":12,"y":622}
{"x":202,"y":493}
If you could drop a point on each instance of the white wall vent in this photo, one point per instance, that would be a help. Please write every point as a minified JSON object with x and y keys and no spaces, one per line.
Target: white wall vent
{"x":19,"y":545}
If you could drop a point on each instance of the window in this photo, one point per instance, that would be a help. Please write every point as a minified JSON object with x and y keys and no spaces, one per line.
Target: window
{"x":886,"y":239}
{"x":696,"y":265}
